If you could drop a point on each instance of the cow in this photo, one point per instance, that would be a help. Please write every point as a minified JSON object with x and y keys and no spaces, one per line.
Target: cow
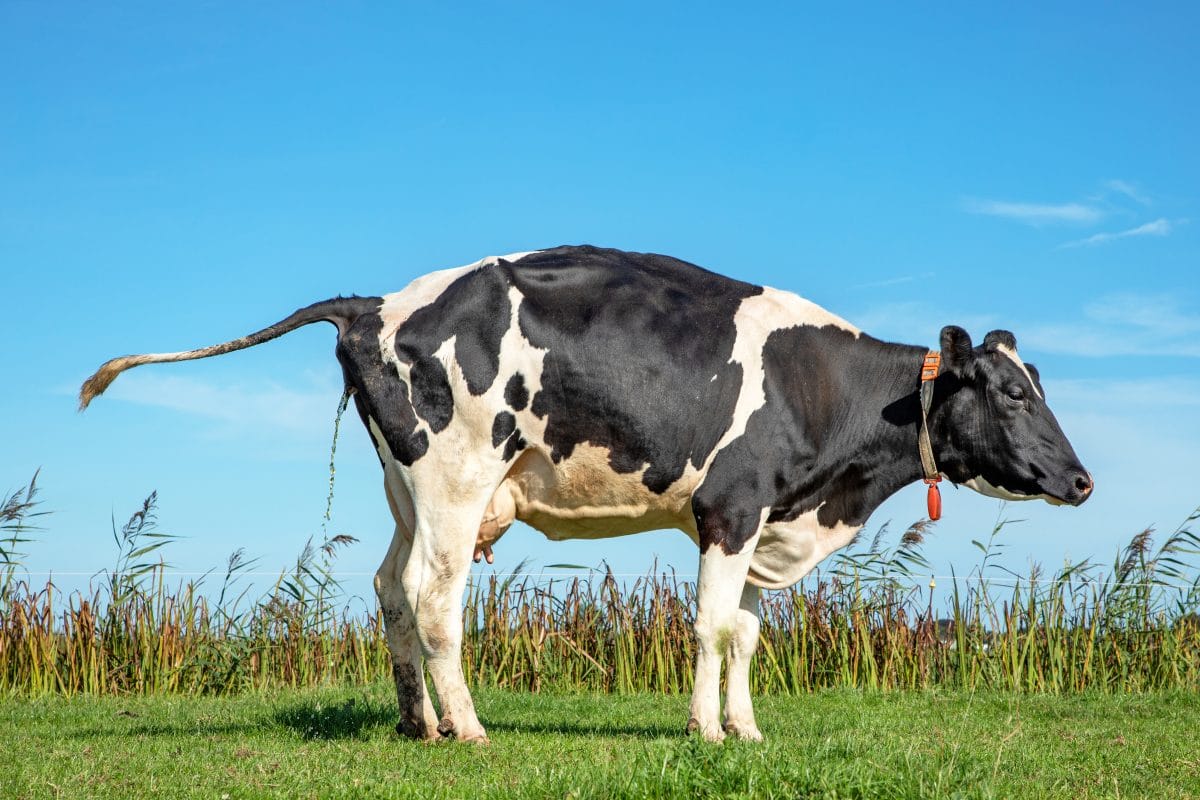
{"x":593,"y":393}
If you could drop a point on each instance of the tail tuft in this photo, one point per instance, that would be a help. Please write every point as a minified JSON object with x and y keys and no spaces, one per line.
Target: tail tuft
{"x":104,"y":376}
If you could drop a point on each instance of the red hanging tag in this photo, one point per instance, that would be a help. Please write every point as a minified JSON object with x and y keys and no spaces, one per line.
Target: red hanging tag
{"x":934,"y":499}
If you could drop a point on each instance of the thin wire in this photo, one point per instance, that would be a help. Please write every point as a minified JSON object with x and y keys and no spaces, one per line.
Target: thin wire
{"x":552,"y":576}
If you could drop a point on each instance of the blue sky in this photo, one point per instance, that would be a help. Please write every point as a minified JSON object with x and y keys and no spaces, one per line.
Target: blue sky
{"x":176,"y":175}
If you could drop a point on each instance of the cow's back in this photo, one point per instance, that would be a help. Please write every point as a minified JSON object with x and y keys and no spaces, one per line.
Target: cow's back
{"x":637,"y":355}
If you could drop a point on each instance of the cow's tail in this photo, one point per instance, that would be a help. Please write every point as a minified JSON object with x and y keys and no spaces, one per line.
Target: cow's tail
{"x":341,"y":311}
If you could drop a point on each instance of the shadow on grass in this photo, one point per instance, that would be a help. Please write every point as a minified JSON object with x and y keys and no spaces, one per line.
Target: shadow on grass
{"x":577,"y":727}
{"x":313,"y":719}
{"x":349,"y":719}
{"x":190,"y":728}
{"x":356,"y":718}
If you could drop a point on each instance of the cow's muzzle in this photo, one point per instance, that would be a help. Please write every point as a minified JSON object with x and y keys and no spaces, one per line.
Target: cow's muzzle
{"x":1080,"y":485}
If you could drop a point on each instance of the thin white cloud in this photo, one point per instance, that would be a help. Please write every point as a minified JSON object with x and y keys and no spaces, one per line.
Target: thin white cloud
{"x":1120,"y":325}
{"x":307,"y":409}
{"x":1036,"y":213}
{"x":1159,"y":227}
{"x":1126,"y":395}
{"x":1129,"y":190}
{"x":915,"y":321}
{"x":1158,"y":315}
{"x":1116,"y":198}
{"x":893,"y":281}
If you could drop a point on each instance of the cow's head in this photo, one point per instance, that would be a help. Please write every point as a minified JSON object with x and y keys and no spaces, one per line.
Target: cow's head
{"x":999,"y":436}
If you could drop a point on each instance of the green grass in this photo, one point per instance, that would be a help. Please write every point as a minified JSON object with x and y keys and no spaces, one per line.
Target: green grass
{"x":339,"y":743}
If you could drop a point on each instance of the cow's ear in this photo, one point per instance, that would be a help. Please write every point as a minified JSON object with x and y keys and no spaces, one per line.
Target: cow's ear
{"x":956,"y":350}
{"x":997,"y":339}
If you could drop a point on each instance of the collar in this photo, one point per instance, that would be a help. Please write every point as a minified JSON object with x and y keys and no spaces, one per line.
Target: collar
{"x":929,"y":372}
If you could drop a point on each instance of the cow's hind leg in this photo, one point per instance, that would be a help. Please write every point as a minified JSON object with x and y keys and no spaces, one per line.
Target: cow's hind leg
{"x":434,"y":581}
{"x":739,"y":708}
{"x":418,"y":719}
{"x":722,"y":577}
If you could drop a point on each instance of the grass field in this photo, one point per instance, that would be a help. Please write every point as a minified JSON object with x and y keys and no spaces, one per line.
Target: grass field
{"x":339,"y":743}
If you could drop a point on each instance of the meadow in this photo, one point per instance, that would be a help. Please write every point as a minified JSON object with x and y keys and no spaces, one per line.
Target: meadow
{"x":1084,"y":681}
{"x":840,"y":743}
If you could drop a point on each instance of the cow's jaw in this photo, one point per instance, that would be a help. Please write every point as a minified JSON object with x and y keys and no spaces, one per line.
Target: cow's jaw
{"x":981,"y":485}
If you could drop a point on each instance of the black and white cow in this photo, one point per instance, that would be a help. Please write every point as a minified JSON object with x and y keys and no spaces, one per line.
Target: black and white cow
{"x":594,"y":393}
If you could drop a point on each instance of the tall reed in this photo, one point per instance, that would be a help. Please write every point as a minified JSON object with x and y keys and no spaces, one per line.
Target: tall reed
{"x":870,"y":621}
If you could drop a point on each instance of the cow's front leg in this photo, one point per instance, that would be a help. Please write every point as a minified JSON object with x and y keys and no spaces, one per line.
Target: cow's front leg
{"x":739,"y":708}
{"x":722,"y":576}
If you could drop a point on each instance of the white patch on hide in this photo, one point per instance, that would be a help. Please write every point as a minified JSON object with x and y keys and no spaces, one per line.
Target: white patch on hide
{"x":780,"y":309}
{"x":787,"y":551}
{"x":1016,"y":359}
{"x":979,"y":484}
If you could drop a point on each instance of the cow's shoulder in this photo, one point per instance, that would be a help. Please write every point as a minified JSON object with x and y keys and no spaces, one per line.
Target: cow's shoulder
{"x":785,"y":456}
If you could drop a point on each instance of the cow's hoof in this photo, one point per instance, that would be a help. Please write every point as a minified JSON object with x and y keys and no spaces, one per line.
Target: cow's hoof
{"x":478,"y":738}
{"x":416,"y":730}
{"x":710,"y":734}
{"x":475,"y":735}
{"x":747,"y":733}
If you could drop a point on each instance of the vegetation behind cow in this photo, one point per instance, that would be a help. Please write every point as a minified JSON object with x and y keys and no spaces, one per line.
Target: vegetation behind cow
{"x":869,"y":622}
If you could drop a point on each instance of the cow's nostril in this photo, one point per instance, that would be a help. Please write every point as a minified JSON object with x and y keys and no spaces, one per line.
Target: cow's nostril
{"x":1084,"y":484}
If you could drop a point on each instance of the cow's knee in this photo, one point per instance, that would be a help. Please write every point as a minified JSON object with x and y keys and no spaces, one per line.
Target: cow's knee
{"x":743,"y":639}
{"x":436,"y":634}
{"x":714,"y":631}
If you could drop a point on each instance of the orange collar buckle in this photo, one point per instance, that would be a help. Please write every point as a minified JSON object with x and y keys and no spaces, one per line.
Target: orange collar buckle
{"x":931,"y":367}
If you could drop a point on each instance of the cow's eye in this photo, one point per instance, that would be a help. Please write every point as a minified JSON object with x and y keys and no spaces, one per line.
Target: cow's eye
{"x":1015,"y":393}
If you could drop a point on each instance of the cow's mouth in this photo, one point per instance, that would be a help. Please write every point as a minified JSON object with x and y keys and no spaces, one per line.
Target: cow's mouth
{"x":1072,"y":491}
{"x":989,"y":489}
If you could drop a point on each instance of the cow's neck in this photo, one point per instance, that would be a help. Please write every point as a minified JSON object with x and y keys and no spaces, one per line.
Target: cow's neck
{"x":862,"y":430}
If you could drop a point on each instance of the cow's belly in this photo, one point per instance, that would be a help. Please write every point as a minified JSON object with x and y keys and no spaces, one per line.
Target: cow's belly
{"x":581,"y":497}
{"x":787,"y":551}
